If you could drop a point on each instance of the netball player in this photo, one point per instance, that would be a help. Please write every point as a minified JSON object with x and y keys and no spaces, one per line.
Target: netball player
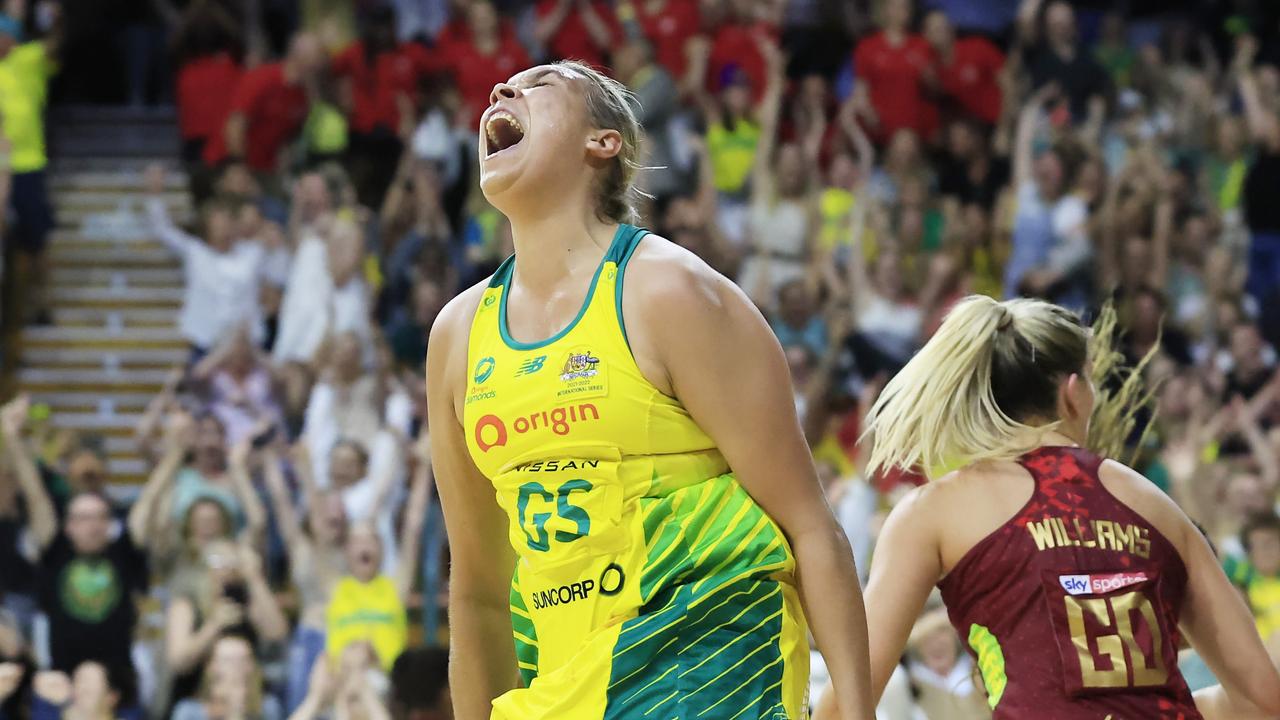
{"x":624,"y":480}
{"x":1071,"y":577}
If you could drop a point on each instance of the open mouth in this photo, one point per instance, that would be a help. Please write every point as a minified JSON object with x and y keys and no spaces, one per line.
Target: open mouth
{"x":502,"y":131}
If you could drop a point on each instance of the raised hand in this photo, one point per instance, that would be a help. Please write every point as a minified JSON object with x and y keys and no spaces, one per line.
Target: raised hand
{"x":13,"y":416}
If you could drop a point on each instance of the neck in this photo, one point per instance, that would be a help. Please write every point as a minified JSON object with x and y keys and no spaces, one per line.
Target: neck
{"x":552,"y":247}
{"x":1064,"y":435}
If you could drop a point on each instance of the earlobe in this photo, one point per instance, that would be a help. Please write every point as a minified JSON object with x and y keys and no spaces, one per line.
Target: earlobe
{"x":605,"y":144}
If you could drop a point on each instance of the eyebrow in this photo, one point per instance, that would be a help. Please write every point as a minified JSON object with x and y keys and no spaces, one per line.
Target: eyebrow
{"x":540,"y":75}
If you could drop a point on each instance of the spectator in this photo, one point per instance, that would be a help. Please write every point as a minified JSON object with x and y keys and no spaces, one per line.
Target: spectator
{"x":1054,"y":57}
{"x":485,"y":58}
{"x":968,"y":69}
{"x":671,"y":28}
{"x":226,"y":594}
{"x":895,"y":71}
{"x":420,"y":685}
{"x":656,"y":100}
{"x":408,"y":336}
{"x":353,"y":686}
{"x":1051,"y":247}
{"x":94,"y":691}
{"x":583,"y":30}
{"x":367,"y":606}
{"x":86,"y":577}
{"x":736,"y":46}
{"x":268,"y":108}
{"x":208,"y":39}
{"x":221,"y":274}
{"x":25,"y":69}
{"x":797,"y":321}
{"x":381,"y":78}
{"x":231,"y":686}
{"x":316,"y":562}
{"x":197,"y":466}
{"x":1258,"y":574}
{"x":1262,"y":114}
{"x":240,"y":386}
{"x":940,"y":673}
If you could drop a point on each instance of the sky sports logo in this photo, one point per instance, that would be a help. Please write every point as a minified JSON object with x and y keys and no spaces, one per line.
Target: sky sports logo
{"x":491,"y":431}
{"x":1099,"y":584}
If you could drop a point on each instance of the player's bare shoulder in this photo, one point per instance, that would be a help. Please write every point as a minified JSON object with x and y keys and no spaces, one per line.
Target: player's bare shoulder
{"x":450,"y":333}
{"x":663,"y":278}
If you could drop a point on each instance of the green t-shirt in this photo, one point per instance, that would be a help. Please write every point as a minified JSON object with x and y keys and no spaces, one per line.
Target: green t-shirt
{"x":24,"y":86}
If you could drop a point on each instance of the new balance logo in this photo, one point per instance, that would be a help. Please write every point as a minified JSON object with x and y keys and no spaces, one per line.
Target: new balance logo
{"x":531,"y":366}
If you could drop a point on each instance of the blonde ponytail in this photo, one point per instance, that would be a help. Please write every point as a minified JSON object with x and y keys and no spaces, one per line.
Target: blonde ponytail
{"x":1121,"y":392}
{"x":968,"y":394}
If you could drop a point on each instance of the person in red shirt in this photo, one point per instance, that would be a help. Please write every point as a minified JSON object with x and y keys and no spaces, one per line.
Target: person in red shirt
{"x":577,"y":30}
{"x":894,"y":71}
{"x":668,"y":25}
{"x":380,"y":77}
{"x":736,"y":43}
{"x":268,"y":108}
{"x":968,"y":68}
{"x":489,"y":57}
{"x":208,"y":71}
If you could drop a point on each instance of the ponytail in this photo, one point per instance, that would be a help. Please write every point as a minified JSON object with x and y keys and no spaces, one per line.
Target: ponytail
{"x":1121,"y":392}
{"x":969,"y":393}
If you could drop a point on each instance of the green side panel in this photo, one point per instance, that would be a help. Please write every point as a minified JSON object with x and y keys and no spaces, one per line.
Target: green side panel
{"x":523,"y":633}
{"x":990,"y":662}
{"x":720,"y":659}
{"x":712,"y":532}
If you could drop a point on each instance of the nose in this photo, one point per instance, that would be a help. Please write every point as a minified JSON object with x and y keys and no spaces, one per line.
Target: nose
{"x":503,"y":91}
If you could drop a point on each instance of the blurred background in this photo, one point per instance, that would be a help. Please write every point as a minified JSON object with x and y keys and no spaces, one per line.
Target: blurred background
{"x":229,"y":224}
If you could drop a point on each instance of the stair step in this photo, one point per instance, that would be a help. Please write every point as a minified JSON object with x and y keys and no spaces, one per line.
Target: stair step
{"x":61,"y":165}
{"x":97,"y":337}
{"x":56,"y":357}
{"x":71,"y":217}
{"x":118,"y":425}
{"x":77,"y":376}
{"x":103,"y":255}
{"x":128,"y":277}
{"x":119,"y":317}
{"x":74,"y":198}
{"x":117,"y":297}
{"x":113,"y":181}
{"x":74,"y":401}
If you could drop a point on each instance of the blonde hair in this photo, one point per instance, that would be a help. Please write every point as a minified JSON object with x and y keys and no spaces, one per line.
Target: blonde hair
{"x":611,"y":105}
{"x":1122,"y":393}
{"x":969,"y":395}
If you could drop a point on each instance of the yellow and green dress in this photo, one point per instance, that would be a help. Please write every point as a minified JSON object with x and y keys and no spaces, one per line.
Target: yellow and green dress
{"x":648,"y":583}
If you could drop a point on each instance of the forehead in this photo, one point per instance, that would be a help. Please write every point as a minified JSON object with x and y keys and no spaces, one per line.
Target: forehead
{"x":88,"y":504}
{"x":542,"y":73}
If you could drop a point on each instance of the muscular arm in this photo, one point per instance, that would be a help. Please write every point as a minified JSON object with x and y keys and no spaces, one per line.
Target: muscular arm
{"x":688,"y":316}
{"x":482,"y":663}
{"x":1214,"y":617}
{"x":904,"y":570}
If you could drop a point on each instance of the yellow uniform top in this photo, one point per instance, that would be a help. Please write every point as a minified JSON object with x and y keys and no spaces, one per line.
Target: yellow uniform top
{"x":622,"y":514}
{"x":369,"y":612}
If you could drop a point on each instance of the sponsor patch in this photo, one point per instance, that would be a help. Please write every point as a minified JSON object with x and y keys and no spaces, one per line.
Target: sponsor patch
{"x":1100,"y":583}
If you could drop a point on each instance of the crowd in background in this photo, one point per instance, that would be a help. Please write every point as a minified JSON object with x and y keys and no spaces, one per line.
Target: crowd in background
{"x":856,"y":167}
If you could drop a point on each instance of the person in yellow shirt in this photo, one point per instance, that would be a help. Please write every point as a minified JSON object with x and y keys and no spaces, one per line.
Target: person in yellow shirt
{"x":1259,"y":574}
{"x":367,"y":605}
{"x":25,"y":69}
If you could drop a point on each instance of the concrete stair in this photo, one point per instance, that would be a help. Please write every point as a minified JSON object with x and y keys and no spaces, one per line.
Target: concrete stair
{"x":116,"y":291}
